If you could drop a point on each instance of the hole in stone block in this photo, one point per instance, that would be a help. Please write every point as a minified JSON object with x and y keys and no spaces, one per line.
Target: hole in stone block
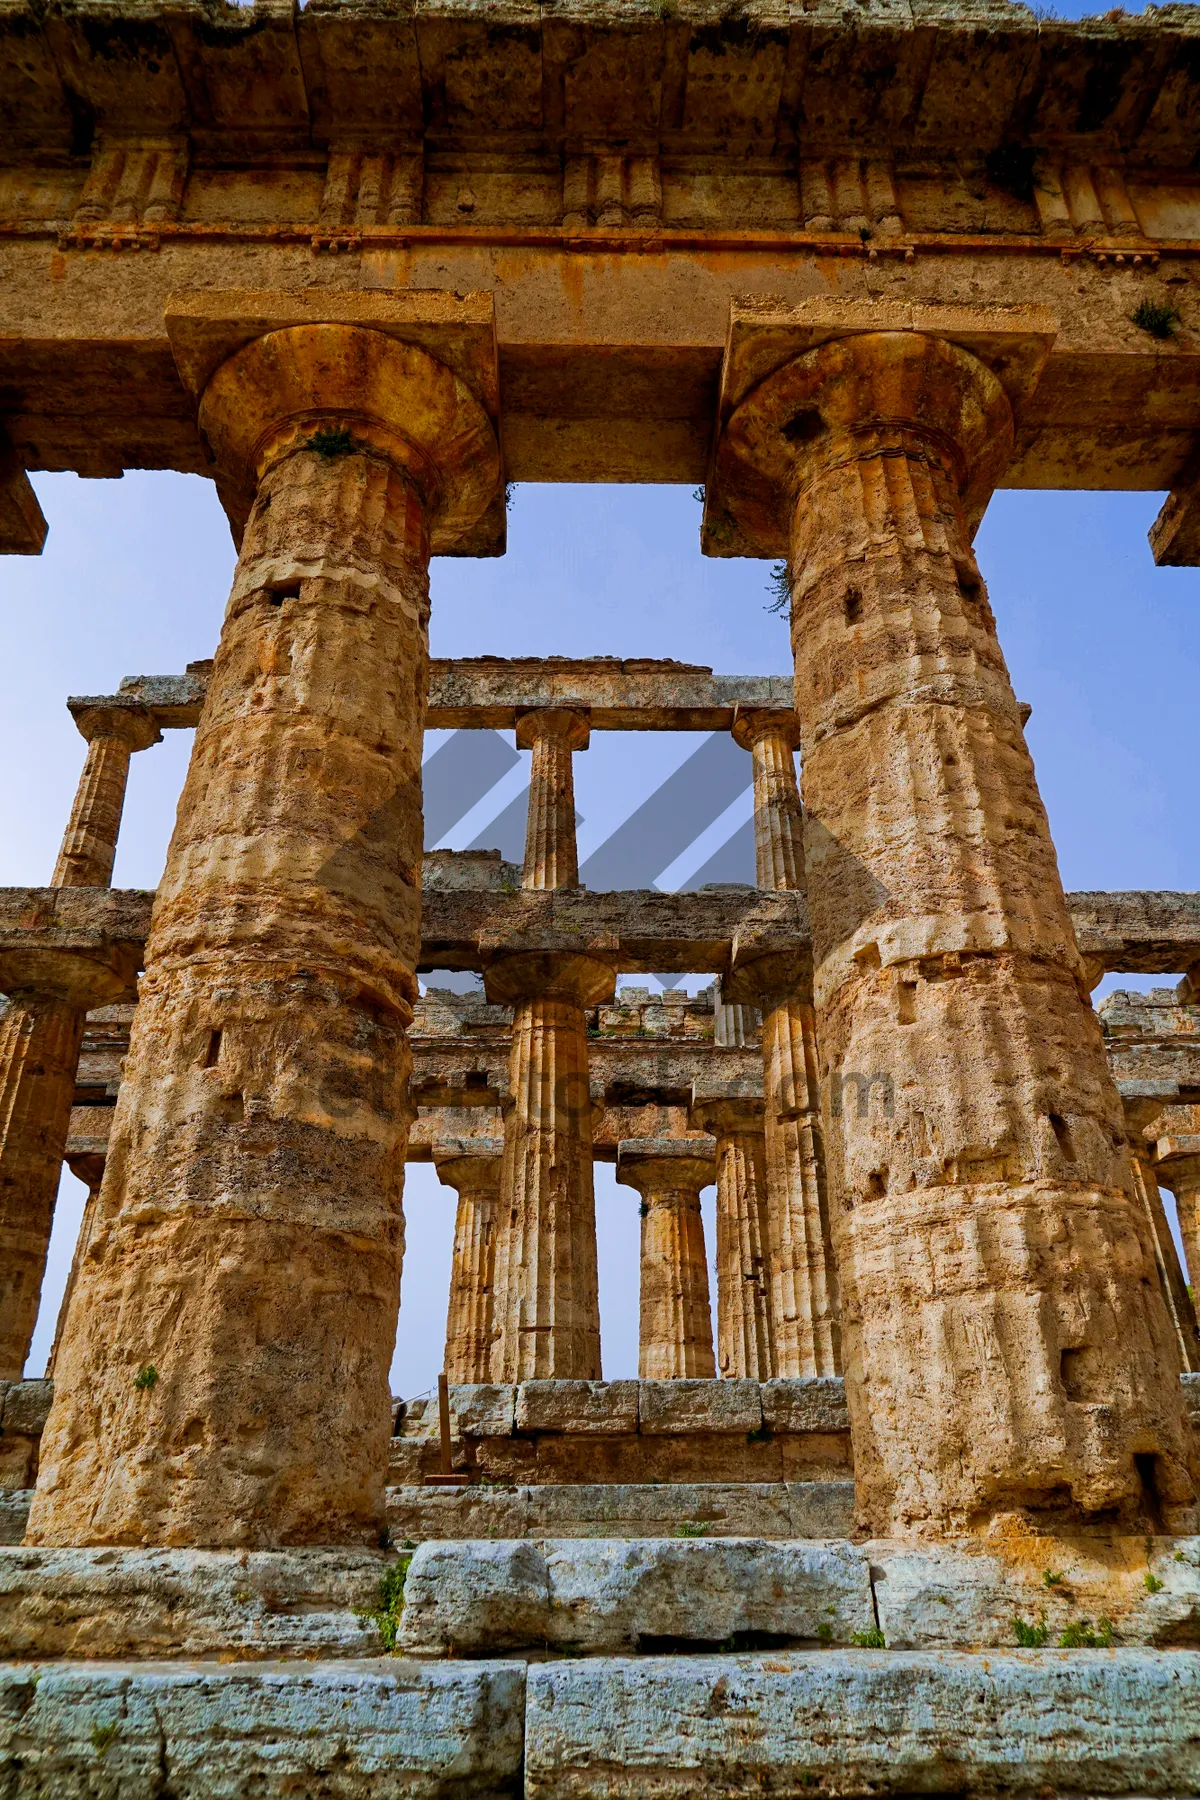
{"x":853,"y":605}
{"x":1078,"y":1373}
{"x":1062,"y":1133}
{"x":906,"y":1003}
{"x":233,"y":1108}
{"x":1146,"y":1464}
{"x":277,"y":596}
{"x":804,"y":426}
{"x":877,"y":1182}
{"x":212,"y":1055}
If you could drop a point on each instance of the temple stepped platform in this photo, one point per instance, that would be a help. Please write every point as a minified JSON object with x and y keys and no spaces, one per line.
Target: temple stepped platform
{"x":558,"y":1667}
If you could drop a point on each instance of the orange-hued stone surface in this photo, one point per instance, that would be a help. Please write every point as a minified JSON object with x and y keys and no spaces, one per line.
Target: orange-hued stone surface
{"x":675,"y":1339}
{"x":1005,"y":1339}
{"x":90,"y":843}
{"x":248,"y":1238}
{"x":744,"y":1345}
{"x":473,"y":1170}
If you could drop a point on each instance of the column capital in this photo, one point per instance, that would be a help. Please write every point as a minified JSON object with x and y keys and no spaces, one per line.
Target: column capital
{"x":409,"y":377}
{"x":798,"y":380}
{"x":132,"y":724}
{"x":549,"y":975}
{"x":566,"y":725}
{"x":83,"y":978}
{"x":666,"y":1165}
{"x":752,"y":724}
{"x":470,"y":1165}
{"x":727,"y":1113}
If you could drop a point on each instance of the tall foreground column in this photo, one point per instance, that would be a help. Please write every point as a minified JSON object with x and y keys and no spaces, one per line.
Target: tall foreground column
{"x":676,"y":1336}
{"x":472,"y":1168}
{"x":223,"y":1376}
{"x":801,"y":1281}
{"x":547,"y":1306}
{"x":42,"y":1029}
{"x":1005,"y":1340}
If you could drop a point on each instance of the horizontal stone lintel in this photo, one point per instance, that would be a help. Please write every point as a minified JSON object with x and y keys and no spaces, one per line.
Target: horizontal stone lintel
{"x":649,"y":1408}
{"x":1143,"y":932}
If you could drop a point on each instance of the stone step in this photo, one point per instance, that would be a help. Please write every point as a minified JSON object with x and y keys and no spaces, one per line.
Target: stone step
{"x":767,"y":1509}
{"x":735,"y":1726}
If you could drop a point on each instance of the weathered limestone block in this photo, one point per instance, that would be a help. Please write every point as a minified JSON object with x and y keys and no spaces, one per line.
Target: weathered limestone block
{"x":387,"y":1729}
{"x":671,"y":1407}
{"x":966,"y":1597}
{"x":586,"y":1407}
{"x":814,"y":1405}
{"x":799,"y":1509}
{"x":478,"y":1409}
{"x":675,"y":1320}
{"x":855,"y":1722}
{"x":223,"y":1378}
{"x":472,"y":1168}
{"x":14,"y":1514}
{"x":606,"y":1594}
{"x":146,"y":1603}
{"x":1005,"y":1340}
{"x":744,"y":1348}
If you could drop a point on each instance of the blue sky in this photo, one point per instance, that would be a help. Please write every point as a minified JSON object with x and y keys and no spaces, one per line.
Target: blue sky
{"x":134,"y":578}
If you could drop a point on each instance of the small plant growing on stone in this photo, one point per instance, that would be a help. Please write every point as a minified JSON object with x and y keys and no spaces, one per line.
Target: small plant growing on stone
{"x":1159,"y":320}
{"x":145,"y":1378}
{"x":1153,"y":1584}
{"x":510,"y":489}
{"x":693,"y":1528}
{"x":825,"y":1632}
{"x":779,"y":585}
{"x":760,"y":1436}
{"x":386,"y":1617}
{"x":331,"y":441}
{"x":869,"y":1640}
{"x":1080,"y":1636}
{"x":102,"y":1737}
{"x":1052,"y":1577}
{"x":698,"y":496}
{"x":1031,"y":1637}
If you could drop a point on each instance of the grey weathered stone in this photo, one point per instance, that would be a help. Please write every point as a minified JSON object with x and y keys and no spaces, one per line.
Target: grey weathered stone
{"x":475,"y":1596}
{"x":963,"y":1596}
{"x":478,"y":1409}
{"x":668,"y":1407}
{"x":1191,"y":1395}
{"x":26,"y":1406}
{"x":14,"y":1513}
{"x":814,"y":1404}
{"x":857,"y":1722}
{"x":765,"y":1509}
{"x":579,"y":1406}
{"x":609,"y":1594}
{"x":381,"y":1729}
{"x":167,"y":1603}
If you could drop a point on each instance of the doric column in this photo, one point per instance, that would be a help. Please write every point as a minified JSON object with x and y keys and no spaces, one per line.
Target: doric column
{"x":801,"y":1280}
{"x":1004,"y":1335}
{"x":1170,"y":1273}
{"x":41,"y":1030}
{"x":1175,"y":1165}
{"x":249,"y":1232}
{"x":744,"y":1344}
{"x":472,"y":1168}
{"x":676,"y":1336}
{"x":89,"y":845}
{"x":551,"y":856}
{"x":547,"y":1312}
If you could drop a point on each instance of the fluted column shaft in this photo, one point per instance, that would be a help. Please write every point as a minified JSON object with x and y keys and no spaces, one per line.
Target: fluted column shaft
{"x":89,"y":1170}
{"x":1182,"y":1176}
{"x":1005,"y":1339}
{"x":744,"y":1340}
{"x":547,"y":1306}
{"x":474,"y":1172}
{"x":249,"y":1233}
{"x":551,"y":853}
{"x":40,"y":1037}
{"x":801,"y":1276}
{"x":1170,"y":1274}
{"x":89,"y":845}
{"x":675,"y":1317}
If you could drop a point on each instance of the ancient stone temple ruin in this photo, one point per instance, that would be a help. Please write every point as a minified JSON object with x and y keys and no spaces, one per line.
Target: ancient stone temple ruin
{"x":908,"y":1504}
